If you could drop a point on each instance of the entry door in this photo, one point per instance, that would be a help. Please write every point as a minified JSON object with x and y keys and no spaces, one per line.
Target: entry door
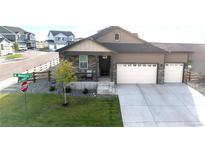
{"x":173,"y":72}
{"x":136,"y":73}
{"x":104,"y":65}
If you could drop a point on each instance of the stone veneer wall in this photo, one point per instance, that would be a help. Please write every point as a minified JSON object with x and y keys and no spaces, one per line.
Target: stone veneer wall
{"x":160,"y":78}
{"x":185,"y":73}
{"x":114,"y":73}
{"x":92,"y":63}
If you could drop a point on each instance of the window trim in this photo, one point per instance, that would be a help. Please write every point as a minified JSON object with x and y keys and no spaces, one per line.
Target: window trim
{"x":83,"y":62}
{"x":119,"y":36}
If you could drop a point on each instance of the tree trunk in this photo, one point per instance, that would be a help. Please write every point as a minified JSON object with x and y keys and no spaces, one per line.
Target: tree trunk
{"x":65,"y":102}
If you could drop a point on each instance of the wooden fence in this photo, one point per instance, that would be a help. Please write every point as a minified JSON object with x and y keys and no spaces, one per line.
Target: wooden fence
{"x":191,"y":76}
{"x":44,"y":67}
{"x":41,"y":75}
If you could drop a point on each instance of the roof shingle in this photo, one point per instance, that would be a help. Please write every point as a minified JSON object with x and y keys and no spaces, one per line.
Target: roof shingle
{"x":55,"y":32}
{"x":132,"y":48}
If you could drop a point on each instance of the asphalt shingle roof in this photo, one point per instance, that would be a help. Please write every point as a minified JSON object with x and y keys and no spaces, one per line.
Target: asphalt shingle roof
{"x":132,"y":48}
{"x":15,"y":29}
{"x":180,"y":47}
{"x":67,"y":33}
{"x":1,"y":39}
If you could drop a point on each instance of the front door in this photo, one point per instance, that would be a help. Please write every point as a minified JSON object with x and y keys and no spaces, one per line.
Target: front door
{"x":104,"y":65}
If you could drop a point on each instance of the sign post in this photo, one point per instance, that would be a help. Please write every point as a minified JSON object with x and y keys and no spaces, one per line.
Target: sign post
{"x":22,"y":78}
{"x":24,"y":88}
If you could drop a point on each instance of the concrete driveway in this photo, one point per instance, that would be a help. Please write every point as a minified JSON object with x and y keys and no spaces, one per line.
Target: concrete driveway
{"x":168,"y":105}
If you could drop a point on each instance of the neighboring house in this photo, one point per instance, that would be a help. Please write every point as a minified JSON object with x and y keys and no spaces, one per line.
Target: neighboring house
{"x":25,"y":40}
{"x":5,"y":46}
{"x":41,"y":44}
{"x":125,"y":58}
{"x":196,"y":59}
{"x":59,"y":39}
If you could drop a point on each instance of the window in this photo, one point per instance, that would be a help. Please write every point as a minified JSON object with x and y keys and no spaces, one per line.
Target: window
{"x":117,"y":36}
{"x":2,"y":47}
{"x":83,"y":62}
{"x":57,"y":38}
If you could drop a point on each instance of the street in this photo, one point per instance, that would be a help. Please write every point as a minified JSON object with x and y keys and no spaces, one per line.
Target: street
{"x":31,"y":59}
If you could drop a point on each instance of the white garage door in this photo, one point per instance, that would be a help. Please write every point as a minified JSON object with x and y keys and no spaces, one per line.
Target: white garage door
{"x":173,"y":72}
{"x":136,"y":73}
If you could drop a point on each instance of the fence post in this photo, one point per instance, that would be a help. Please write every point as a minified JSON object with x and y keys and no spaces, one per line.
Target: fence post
{"x":34,"y":77}
{"x":189,"y":75}
{"x":49,"y":75}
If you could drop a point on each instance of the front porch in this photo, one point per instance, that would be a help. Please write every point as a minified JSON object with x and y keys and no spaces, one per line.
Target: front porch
{"x":96,"y":68}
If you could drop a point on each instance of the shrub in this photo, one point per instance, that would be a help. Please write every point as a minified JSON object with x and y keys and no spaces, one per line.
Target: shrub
{"x":85,"y":91}
{"x":68,"y":89}
{"x":52,"y":88}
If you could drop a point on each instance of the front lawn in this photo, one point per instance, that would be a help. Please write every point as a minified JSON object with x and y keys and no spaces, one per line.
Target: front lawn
{"x":47,"y":110}
{"x":14,"y":56}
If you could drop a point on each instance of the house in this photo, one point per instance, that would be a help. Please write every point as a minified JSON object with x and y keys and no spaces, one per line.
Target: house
{"x":5,"y":46}
{"x":196,"y":59}
{"x":124,"y":58}
{"x":41,"y":44}
{"x":24,"y":39}
{"x":59,"y":39}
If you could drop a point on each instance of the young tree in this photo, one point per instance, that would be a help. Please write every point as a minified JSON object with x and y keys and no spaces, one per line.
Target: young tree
{"x":65,"y":74}
{"x":16,"y":46}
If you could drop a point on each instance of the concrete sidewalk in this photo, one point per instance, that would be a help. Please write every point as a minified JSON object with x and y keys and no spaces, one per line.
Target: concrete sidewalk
{"x":161,"y":105}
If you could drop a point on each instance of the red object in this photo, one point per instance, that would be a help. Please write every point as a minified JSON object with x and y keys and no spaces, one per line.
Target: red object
{"x":24,"y":86}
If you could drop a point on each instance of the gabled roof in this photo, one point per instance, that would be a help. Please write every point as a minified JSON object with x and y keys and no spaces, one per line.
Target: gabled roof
{"x":108,"y":29}
{"x":119,"y":47}
{"x":56,"y":32}
{"x":81,"y":41}
{"x":10,"y":37}
{"x":2,"y":39}
{"x":180,"y":47}
{"x":133,"y":48}
{"x":15,"y":29}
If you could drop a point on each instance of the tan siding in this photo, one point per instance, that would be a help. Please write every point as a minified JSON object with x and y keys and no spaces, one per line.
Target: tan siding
{"x":88,"y":45}
{"x":198,"y":62}
{"x":124,"y":37}
{"x":139,"y":58}
{"x":176,"y":57}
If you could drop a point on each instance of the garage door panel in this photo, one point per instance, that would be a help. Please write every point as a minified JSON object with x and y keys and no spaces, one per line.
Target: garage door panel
{"x":173,"y":72}
{"x":136,"y":73}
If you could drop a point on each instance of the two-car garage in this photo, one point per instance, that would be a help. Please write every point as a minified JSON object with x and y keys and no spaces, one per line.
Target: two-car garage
{"x":147,"y":73}
{"x":136,"y":73}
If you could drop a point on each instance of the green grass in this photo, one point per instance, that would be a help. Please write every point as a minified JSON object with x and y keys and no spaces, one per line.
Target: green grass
{"x":14,"y":56}
{"x":47,"y":110}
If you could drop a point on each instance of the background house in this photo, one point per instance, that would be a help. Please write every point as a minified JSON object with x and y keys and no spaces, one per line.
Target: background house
{"x":25,"y":40}
{"x":59,"y":39}
{"x":5,"y":46}
{"x":41,"y":44}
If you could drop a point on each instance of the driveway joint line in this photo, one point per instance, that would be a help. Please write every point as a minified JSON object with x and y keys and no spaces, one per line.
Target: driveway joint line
{"x":138,"y":86}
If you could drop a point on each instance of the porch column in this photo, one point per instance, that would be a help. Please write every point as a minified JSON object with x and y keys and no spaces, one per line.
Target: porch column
{"x":111,"y":68}
{"x":97,"y":67}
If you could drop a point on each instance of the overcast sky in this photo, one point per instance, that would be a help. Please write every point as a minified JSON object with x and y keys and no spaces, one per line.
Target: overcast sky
{"x":153,"y":20}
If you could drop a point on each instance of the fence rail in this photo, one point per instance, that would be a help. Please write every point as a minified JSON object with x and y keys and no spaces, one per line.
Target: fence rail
{"x":191,"y":76}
